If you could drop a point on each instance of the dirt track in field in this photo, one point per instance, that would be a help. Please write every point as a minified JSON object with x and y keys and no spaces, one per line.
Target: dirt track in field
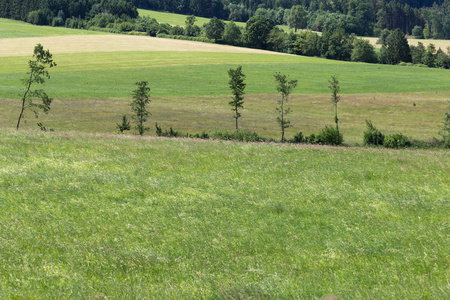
{"x":111,"y":43}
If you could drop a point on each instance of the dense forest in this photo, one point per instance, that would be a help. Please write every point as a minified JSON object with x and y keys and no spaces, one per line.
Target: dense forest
{"x":422,"y":18}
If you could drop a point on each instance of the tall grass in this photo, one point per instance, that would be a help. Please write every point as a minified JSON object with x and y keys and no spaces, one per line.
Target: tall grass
{"x":128,"y":217}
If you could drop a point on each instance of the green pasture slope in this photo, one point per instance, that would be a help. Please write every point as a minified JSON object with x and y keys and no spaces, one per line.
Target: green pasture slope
{"x":178,"y":19}
{"x":176,"y":74}
{"x":174,"y":19}
{"x":190,"y":91}
{"x":14,"y":29}
{"x":126,"y":217}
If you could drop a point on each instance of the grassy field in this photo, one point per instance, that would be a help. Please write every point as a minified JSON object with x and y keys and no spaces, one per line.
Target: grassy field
{"x":190,"y":90}
{"x":418,"y":115}
{"x":16,"y":29}
{"x":174,"y":73}
{"x":127,"y":217}
{"x":178,"y":19}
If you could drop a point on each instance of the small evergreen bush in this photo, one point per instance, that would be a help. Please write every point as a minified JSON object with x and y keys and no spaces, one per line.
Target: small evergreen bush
{"x":396,"y":140}
{"x":125,"y":124}
{"x":298,"y":138}
{"x":372,"y":136}
{"x":166,"y":133}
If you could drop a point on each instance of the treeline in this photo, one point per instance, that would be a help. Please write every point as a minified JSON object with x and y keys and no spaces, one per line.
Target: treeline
{"x":422,"y":18}
{"x":56,"y":12}
{"x":365,"y":18}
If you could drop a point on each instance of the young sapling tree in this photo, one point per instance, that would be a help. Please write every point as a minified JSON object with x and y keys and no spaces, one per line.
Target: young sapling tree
{"x":38,"y":73}
{"x":237,"y":87}
{"x":284,"y":87}
{"x":141,"y":97}
{"x":335,"y":98}
{"x":125,"y":125}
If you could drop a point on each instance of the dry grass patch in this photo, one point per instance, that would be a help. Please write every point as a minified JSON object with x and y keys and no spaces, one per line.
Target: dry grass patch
{"x":418,"y":115}
{"x":112,"y":43}
{"x":443,"y":44}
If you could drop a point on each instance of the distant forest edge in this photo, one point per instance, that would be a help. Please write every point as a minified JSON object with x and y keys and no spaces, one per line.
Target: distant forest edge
{"x":421,"y":18}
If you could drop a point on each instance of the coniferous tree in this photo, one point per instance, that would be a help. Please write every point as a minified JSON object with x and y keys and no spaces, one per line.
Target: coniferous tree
{"x":141,"y":98}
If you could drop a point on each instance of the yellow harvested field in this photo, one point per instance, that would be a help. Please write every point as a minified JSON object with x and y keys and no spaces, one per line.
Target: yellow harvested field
{"x":443,"y":44}
{"x":111,"y":43}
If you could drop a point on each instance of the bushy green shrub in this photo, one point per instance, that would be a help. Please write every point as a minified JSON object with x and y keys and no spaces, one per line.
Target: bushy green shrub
{"x":298,"y":138}
{"x":397,"y":140}
{"x":372,"y":136}
{"x":329,"y":136}
{"x":445,"y":132}
{"x":243,"y":136}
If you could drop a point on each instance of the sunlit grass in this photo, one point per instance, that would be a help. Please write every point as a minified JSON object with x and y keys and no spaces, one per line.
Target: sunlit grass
{"x":91,"y":75}
{"x":15,"y":29}
{"x":128,"y":217}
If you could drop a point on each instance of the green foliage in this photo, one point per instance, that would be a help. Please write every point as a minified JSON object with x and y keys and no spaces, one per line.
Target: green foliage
{"x":396,"y":140}
{"x":297,"y":17}
{"x":335,"y":98}
{"x":328,"y":136}
{"x":417,"y":32}
{"x":298,"y":138}
{"x":37,"y":74}
{"x":396,"y":49}
{"x":191,"y":29}
{"x":242,"y":135}
{"x":237,"y":87}
{"x":125,"y":125}
{"x":284,"y":87}
{"x":445,"y":131}
{"x":257,"y":31}
{"x":363,"y":51}
{"x":214,"y":29}
{"x":141,"y":97}
{"x":232,"y":34}
{"x":166,"y":133}
{"x":42,"y":127}
{"x":372,"y":136}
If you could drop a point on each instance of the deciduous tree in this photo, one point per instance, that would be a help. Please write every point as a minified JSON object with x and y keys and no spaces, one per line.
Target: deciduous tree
{"x":38,"y":73}
{"x":335,"y":98}
{"x":237,"y":87}
{"x":284,"y":87}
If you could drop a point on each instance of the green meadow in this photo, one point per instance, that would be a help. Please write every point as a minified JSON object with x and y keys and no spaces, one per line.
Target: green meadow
{"x":107,"y":216}
{"x":190,"y":93}
{"x":89,"y":214}
{"x":175,"y":74}
{"x":178,"y":19}
{"x":15,"y":29}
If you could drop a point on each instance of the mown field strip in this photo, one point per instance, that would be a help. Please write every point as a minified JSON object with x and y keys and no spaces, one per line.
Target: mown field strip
{"x":112,"y":43}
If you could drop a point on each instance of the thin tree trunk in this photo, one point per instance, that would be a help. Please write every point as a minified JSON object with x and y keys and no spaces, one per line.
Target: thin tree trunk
{"x":282,"y":118}
{"x":23,"y":101}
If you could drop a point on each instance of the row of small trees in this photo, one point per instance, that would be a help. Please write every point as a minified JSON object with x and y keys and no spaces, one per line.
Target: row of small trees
{"x":141,"y":98}
{"x":284,"y":86}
